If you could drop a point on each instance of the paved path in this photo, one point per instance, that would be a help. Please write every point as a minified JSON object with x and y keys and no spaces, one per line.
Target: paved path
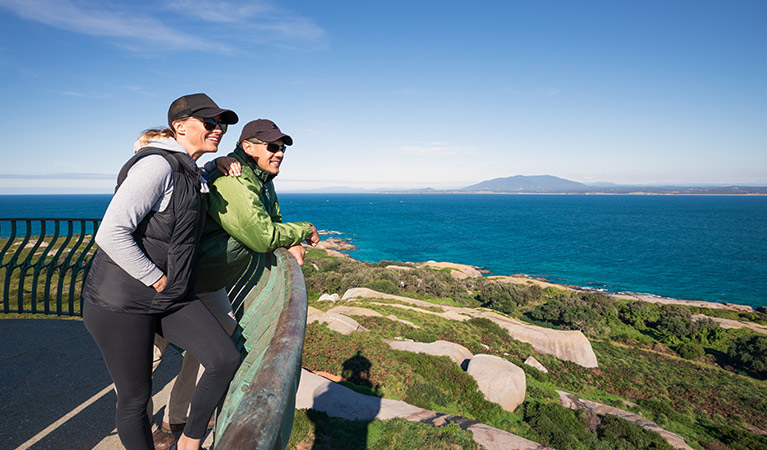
{"x":55,"y":392}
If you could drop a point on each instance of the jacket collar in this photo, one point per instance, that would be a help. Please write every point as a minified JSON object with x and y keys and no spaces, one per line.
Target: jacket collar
{"x":261,"y":174}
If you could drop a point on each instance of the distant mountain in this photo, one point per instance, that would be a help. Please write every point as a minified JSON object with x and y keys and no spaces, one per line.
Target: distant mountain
{"x":547,"y":184}
{"x":533,"y":184}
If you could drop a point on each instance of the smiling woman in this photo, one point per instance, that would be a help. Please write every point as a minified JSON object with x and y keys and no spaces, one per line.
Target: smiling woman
{"x":141,"y":278}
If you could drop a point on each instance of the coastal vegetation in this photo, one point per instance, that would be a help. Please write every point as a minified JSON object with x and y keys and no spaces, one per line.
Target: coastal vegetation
{"x":664,"y":362}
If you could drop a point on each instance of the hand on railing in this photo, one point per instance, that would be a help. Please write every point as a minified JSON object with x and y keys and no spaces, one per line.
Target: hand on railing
{"x":314,"y":239}
{"x":298,"y":251}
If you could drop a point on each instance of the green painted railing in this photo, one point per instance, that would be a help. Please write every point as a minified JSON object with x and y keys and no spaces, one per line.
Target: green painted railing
{"x":258,"y":411}
{"x":43,"y":263}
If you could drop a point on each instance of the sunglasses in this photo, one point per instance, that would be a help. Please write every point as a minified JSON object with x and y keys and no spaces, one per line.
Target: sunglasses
{"x":210,"y":124}
{"x":272,"y":147}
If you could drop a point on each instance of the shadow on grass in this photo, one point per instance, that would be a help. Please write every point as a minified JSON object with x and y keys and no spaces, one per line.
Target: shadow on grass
{"x":359,"y":408}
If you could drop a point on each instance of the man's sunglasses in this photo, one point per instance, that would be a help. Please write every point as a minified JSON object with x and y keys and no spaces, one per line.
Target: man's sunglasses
{"x":210,"y":124}
{"x":271,"y":146}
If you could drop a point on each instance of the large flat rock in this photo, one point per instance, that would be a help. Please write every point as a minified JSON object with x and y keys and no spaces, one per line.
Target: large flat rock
{"x":568,"y":345}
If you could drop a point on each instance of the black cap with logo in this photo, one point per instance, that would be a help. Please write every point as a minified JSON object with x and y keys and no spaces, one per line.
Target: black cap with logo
{"x":199,"y":105}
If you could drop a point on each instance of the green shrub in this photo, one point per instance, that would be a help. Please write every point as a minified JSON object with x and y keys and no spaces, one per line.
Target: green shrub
{"x":749,"y":353}
{"x":629,"y":435}
{"x":638,"y":313}
{"x":425,"y":394}
{"x":558,"y":426}
{"x":739,"y":439}
{"x":385,"y":286}
{"x":689,"y":350}
{"x":506,"y":297}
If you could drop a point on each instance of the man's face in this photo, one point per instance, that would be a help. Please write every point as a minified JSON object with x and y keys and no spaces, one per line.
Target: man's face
{"x":265,"y":159}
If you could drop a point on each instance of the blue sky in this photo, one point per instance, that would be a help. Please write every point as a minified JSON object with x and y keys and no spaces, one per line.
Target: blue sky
{"x":395,"y":94}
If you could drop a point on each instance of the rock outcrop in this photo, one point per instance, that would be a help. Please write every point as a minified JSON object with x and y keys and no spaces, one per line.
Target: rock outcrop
{"x":568,"y":345}
{"x":329,"y":298}
{"x":355,"y":311}
{"x":337,"y":244}
{"x":458,"y":353}
{"x":336,"y":322}
{"x":499,"y":380}
{"x":730,"y":323}
{"x":458,"y":271}
{"x":570,"y":401}
{"x":532,"y":362}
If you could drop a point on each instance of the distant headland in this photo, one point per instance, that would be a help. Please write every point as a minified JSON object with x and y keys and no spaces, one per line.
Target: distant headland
{"x":548,"y":184}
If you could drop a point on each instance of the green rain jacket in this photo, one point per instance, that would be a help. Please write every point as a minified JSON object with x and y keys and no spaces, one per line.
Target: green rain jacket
{"x":243,"y":217}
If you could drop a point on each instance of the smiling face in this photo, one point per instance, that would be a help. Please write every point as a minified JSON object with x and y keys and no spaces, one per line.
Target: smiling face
{"x":193,"y":135}
{"x":266,"y":160}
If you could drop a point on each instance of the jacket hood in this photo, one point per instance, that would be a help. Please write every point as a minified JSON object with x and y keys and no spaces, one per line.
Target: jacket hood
{"x":169,"y":144}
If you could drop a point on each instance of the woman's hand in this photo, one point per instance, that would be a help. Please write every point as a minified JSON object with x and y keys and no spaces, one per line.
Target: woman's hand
{"x":298,"y":252}
{"x":314,"y":239}
{"x":159,"y":285}
{"x":229,"y":166}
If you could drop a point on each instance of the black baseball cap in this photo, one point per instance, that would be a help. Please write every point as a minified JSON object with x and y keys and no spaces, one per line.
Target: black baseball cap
{"x":199,"y":105}
{"x":264,"y":130}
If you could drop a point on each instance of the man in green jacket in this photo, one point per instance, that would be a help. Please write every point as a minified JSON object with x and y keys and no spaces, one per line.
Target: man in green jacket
{"x":244,"y":212}
{"x":243,"y":218}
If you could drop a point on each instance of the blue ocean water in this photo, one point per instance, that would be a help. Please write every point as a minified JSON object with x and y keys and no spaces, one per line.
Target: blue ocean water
{"x":691,"y":247}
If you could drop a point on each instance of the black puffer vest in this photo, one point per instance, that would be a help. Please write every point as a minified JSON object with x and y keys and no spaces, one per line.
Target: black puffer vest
{"x":168,"y":238}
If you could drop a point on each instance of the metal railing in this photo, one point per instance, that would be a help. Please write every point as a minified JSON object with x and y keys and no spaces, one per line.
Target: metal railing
{"x":43,"y":263}
{"x":271,"y":306}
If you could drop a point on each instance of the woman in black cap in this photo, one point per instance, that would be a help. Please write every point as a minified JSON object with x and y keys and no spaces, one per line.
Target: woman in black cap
{"x":142,"y":276}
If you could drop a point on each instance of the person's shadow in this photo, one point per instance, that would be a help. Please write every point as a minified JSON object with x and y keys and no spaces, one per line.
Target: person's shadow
{"x":355,"y":400}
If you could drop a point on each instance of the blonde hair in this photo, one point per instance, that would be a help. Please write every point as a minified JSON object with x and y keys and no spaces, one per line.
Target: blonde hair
{"x":155,"y":133}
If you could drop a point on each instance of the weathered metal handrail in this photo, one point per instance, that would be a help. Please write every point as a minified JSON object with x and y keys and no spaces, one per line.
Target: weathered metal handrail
{"x":269,"y":300}
{"x":259,"y":408}
{"x":43,"y":263}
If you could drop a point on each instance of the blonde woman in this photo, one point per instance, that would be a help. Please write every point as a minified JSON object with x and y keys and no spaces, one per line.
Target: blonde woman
{"x":142,"y":277}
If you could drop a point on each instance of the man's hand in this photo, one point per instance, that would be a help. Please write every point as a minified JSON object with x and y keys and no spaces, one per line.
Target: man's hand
{"x":314,"y":239}
{"x":159,"y":285}
{"x":298,"y":252}
{"x":229,"y":166}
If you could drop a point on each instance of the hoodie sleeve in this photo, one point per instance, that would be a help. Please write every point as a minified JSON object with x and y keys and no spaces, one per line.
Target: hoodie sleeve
{"x":148,"y":186}
{"x":235,"y":204}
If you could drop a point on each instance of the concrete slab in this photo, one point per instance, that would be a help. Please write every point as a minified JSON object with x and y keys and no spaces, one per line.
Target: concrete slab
{"x":55,"y":392}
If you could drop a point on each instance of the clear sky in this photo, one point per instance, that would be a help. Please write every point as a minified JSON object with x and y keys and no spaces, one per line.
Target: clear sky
{"x":395,"y":94}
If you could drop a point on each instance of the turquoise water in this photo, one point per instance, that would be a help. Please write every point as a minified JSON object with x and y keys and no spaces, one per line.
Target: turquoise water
{"x":692,"y":247}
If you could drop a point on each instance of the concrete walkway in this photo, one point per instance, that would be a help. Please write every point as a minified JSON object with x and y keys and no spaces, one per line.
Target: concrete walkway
{"x":55,"y":392}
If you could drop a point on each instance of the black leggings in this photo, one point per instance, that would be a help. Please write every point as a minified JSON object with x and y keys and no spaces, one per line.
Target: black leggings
{"x":126,"y":340}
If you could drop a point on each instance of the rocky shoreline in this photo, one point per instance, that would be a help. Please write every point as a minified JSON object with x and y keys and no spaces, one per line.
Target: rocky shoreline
{"x":336,"y":246}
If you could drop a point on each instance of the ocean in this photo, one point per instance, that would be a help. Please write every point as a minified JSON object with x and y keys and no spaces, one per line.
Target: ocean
{"x":711,"y":248}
